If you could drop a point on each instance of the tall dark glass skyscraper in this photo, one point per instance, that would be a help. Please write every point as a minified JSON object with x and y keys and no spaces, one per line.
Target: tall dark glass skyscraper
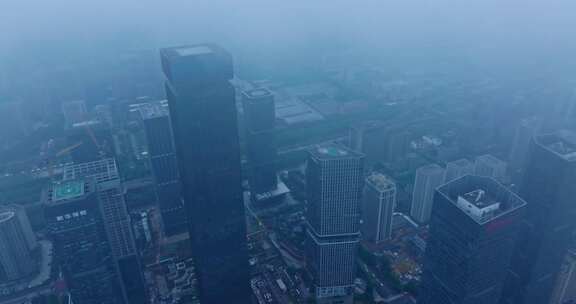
{"x":164,"y":164}
{"x":473,"y":229}
{"x":75,"y":224}
{"x":260,"y":119}
{"x":549,"y":188}
{"x":204,"y":120}
{"x":335,"y":181}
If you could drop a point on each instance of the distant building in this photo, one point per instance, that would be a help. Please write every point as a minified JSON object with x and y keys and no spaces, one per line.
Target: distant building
{"x":75,"y":224}
{"x":548,"y":188}
{"x":458,"y":168}
{"x":204,"y":120}
{"x":334,"y":182}
{"x":378,"y":204}
{"x":74,"y":112}
{"x":110,"y":193}
{"x":521,"y":144}
{"x":428,"y":178}
{"x":260,"y":117}
{"x":490,"y":166}
{"x":164,"y":164}
{"x":473,"y":229}
{"x":16,"y":248}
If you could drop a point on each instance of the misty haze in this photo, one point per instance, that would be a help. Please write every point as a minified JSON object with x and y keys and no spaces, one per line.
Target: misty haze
{"x":288,"y":152}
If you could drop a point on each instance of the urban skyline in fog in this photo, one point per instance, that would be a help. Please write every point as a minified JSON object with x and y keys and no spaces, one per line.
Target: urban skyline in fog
{"x":288,"y":152}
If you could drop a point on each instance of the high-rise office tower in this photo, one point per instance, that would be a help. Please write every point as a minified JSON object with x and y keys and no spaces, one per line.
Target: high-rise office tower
{"x":334,"y":182}
{"x":204,"y":120}
{"x":565,"y":287}
{"x":473,"y":229}
{"x":521,"y":144}
{"x":16,"y":260}
{"x":548,"y":188}
{"x":428,"y":178}
{"x":378,"y":204}
{"x":75,"y":224}
{"x":110,"y":195}
{"x":164,"y":164}
{"x":458,"y":168}
{"x":490,"y":166}
{"x":260,"y":117}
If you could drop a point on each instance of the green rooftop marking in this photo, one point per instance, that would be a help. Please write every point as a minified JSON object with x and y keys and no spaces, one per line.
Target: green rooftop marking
{"x":68,"y":190}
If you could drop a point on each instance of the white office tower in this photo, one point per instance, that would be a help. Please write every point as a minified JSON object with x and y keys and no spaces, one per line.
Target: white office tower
{"x":458,"y":168}
{"x":489,"y":166}
{"x":428,"y":178}
{"x":378,"y":204}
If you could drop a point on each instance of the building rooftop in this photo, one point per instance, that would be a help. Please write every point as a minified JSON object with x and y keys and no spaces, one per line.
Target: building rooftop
{"x":490,"y":159}
{"x":6,"y":215}
{"x":562,"y":144}
{"x":68,"y":190}
{"x":430,"y":169}
{"x":462,"y":163}
{"x":333,"y":151}
{"x":193,"y":50}
{"x":380,"y":182}
{"x":150,"y":110}
{"x":101,"y":170}
{"x":481,"y":198}
{"x":257,"y":93}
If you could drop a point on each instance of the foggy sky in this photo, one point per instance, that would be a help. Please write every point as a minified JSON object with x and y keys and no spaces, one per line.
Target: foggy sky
{"x":497,"y":31}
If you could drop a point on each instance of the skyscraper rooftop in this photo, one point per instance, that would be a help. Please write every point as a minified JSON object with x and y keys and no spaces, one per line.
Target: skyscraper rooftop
{"x":481,"y":198}
{"x":562,"y":144}
{"x":332,"y":151}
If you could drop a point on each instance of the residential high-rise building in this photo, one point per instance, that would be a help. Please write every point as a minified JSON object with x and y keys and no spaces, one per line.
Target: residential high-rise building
{"x":458,"y":168}
{"x":164,"y":164}
{"x":490,"y":166}
{"x":16,"y":260}
{"x":473,"y":229}
{"x":260,"y":120}
{"x":428,"y":178}
{"x":204,"y":120}
{"x":334,"y":183}
{"x":548,"y":188}
{"x":378,"y":204}
{"x":110,"y":195}
{"x":75,"y":224}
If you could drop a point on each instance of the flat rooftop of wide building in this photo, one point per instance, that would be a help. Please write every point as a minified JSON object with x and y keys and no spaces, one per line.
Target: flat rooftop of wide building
{"x":485,"y":193}
{"x":68,"y":190}
{"x":333,"y":151}
{"x":562,"y":144}
{"x":100,"y":170}
{"x":480,"y":198}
